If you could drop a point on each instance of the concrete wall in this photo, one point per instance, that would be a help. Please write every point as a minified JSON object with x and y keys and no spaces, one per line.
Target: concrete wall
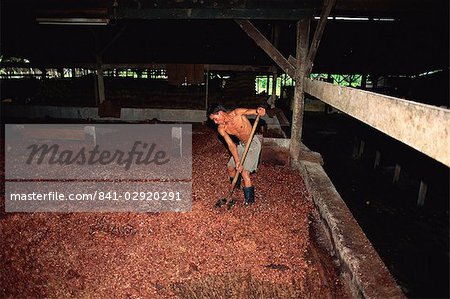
{"x":361,"y":266}
{"x":77,"y":113}
{"x":126,"y":114}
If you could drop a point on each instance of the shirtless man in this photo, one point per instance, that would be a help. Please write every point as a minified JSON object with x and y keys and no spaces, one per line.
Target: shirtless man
{"x":236,"y":123}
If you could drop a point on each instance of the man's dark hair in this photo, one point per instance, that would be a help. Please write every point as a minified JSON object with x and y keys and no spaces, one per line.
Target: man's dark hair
{"x":215,"y":108}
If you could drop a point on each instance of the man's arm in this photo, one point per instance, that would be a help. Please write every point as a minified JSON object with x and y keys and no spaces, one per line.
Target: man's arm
{"x":246,"y":111}
{"x":231,"y":145}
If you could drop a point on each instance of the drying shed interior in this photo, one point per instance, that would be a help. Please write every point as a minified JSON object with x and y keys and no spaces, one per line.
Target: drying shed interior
{"x":355,"y":145}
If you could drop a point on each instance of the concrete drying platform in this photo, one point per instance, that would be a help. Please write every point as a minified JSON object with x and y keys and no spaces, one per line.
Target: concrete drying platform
{"x":266,"y":250}
{"x":262,"y":251}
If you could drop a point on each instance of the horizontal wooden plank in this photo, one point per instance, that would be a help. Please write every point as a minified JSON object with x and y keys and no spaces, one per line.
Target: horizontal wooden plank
{"x":205,"y":14}
{"x":423,"y":127}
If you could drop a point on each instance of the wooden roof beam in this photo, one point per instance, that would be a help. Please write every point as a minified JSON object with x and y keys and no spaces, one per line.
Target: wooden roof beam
{"x":208,"y":14}
{"x":267,"y":46}
{"x":423,"y":127}
{"x":327,"y":6}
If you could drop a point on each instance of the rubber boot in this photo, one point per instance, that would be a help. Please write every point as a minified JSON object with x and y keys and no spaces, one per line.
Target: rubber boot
{"x":238,"y":182}
{"x":249,"y":195}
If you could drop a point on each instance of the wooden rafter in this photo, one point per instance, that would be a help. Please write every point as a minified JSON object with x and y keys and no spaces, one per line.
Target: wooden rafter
{"x":327,"y":6}
{"x":212,"y":13}
{"x":267,"y":46}
{"x":113,"y":40}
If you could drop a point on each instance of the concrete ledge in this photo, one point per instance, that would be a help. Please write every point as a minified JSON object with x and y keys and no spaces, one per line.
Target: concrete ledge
{"x":280,"y":142}
{"x":127,"y":114}
{"x":275,"y":151}
{"x":363,"y":269}
{"x":272,"y":123}
{"x":305,"y":153}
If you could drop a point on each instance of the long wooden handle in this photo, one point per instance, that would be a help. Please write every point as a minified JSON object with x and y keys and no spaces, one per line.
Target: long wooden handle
{"x":244,"y":155}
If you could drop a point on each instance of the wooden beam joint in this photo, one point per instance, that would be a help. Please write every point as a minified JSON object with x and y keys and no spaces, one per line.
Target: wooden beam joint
{"x":326,"y":10}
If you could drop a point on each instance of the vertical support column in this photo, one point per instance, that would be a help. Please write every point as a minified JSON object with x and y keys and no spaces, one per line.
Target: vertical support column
{"x":299,"y":96}
{"x":206,"y":87}
{"x":363,"y":81}
{"x":274,"y":90}
{"x":374,"y":78}
{"x":422,"y":193}
{"x":100,"y":80}
{"x":44,"y":73}
{"x":275,"y":41}
{"x":362,"y":144}
{"x":355,"y":148}
{"x":99,"y":54}
{"x":397,"y":171}
{"x":377,"y":159}
{"x":96,"y":91}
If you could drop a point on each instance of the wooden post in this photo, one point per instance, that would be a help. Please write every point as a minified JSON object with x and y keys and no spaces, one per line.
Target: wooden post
{"x":362,"y":144}
{"x":96,"y":91}
{"x":374,"y":78}
{"x":99,"y":54}
{"x":275,"y":42}
{"x":397,"y":170}
{"x":364,"y":81}
{"x":377,"y":159}
{"x":299,"y":96}
{"x":422,"y":193}
{"x":44,"y":74}
{"x":355,"y":148}
{"x":274,"y":90}
{"x":206,"y":88}
{"x":100,"y":81}
{"x":305,"y":57}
